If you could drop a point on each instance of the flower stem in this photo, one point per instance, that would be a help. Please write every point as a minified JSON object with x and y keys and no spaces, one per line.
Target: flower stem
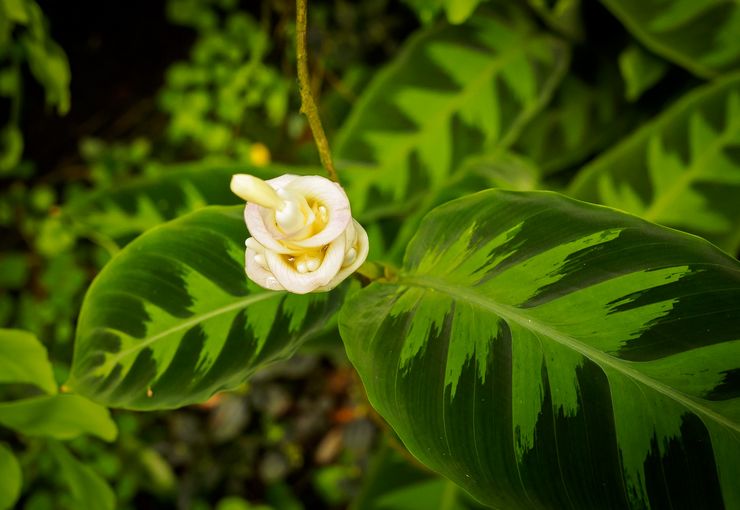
{"x":308,"y":105}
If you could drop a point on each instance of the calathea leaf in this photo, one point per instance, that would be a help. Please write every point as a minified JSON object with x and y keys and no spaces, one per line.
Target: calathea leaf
{"x":123,"y":213}
{"x":482,"y":81}
{"x":547,"y":353}
{"x":171,"y":319}
{"x":681,"y":170}
{"x":701,"y":36}
{"x":584,"y":116}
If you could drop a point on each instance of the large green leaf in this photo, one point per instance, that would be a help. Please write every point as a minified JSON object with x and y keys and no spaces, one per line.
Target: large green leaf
{"x":58,"y":416}
{"x":10,"y":478}
{"x":124,"y":212}
{"x":547,"y":353}
{"x":171,"y":319}
{"x":681,"y":170}
{"x":451,"y":92}
{"x":701,"y":35}
{"x":23,"y":359}
{"x":583,"y":117}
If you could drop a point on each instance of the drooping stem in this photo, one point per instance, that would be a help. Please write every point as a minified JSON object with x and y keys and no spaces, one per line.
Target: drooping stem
{"x":308,"y":105}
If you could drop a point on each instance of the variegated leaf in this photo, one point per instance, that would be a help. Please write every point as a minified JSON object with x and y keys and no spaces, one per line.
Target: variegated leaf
{"x":584,"y":117}
{"x":681,"y":170}
{"x":703,"y":36}
{"x":123,"y":213}
{"x":452,"y":91}
{"x":171,"y":319}
{"x":547,"y":353}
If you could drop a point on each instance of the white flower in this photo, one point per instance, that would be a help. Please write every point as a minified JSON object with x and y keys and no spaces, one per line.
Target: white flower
{"x":304,"y":238}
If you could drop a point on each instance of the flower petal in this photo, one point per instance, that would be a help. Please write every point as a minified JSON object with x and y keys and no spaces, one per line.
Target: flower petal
{"x":330,"y":195}
{"x":301,"y":283}
{"x":361,"y":246}
{"x":259,"y":274}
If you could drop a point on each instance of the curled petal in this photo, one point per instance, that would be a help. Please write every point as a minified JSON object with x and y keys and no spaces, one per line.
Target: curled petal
{"x":331,"y":196}
{"x":361,"y":246}
{"x":301,"y":283}
{"x":258,"y":273}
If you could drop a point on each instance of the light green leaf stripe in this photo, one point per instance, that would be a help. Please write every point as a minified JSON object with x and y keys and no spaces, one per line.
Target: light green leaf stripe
{"x":23,"y":359}
{"x":171,"y":319}
{"x":699,"y":35}
{"x":58,"y":416}
{"x":482,"y":81}
{"x":547,"y":353}
{"x":681,"y":170}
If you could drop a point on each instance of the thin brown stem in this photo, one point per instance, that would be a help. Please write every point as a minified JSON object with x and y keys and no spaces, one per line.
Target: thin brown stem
{"x":308,"y":105}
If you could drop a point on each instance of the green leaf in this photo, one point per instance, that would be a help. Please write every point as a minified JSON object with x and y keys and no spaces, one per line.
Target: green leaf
{"x":10,"y":478}
{"x":499,"y":169}
{"x":11,"y":148}
{"x":458,"y":11}
{"x":171,"y":319}
{"x":681,"y":170}
{"x":15,"y":11}
{"x":89,"y":490}
{"x":640,"y":70}
{"x":699,"y":35}
{"x":546,"y":353}
{"x":564,"y":16}
{"x":451,"y":92}
{"x":23,"y":359}
{"x":392,"y":483}
{"x":58,"y":416}
{"x":584,"y":117}
{"x":125,"y":212}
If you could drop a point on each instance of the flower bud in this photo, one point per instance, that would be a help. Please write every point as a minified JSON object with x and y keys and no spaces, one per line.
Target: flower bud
{"x":304,"y":238}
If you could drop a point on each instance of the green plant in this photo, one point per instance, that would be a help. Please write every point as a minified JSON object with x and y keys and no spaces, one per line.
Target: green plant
{"x":543,"y":320}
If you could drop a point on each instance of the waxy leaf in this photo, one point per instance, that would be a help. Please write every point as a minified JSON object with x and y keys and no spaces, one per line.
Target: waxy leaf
{"x":546,"y":353}
{"x":681,"y":170}
{"x":451,"y":92}
{"x":703,"y":36}
{"x":171,"y":319}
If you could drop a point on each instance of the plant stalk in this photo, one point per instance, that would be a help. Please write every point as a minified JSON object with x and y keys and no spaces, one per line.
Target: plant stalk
{"x":308,"y":105}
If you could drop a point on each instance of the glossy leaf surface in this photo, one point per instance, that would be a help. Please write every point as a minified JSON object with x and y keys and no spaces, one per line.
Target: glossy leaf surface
{"x":171,"y":319}
{"x":700,"y":35}
{"x":547,"y":353}
{"x":681,"y":170}
{"x":451,"y":92}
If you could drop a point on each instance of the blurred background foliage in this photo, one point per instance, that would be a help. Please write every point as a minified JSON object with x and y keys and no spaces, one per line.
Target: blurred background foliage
{"x":118,"y":116}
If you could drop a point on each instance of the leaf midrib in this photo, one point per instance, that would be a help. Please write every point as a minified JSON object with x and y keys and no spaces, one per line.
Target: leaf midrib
{"x":196,"y":319}
{"x":689,"y":176}
{"x":513,"y":314}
